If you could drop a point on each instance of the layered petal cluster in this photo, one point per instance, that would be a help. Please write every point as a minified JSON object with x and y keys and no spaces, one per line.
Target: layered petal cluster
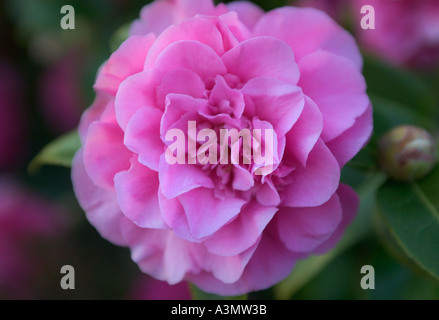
{"x":224,"y":227}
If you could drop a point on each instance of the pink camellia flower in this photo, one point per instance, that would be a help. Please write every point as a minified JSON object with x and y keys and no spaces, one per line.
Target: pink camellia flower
{"x":406,"y":31}
{"x":13,"y":119}
{"x":147,"y":288}
{"x":26,"y":220}
{"x":61,"y":98}
{"x":221,"y":226}
{"x":335,"y":8}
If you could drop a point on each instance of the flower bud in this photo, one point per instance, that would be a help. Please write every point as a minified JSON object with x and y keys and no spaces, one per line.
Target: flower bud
{"x":407,"y":153}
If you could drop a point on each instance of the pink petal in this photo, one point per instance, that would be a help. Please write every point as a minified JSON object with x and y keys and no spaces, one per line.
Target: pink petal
{"x":248,"y":12}
{"x":105,"y":154}
{"x":174,"y":216}
{"x":304,"y":134}
{"x":159,"y":253}
{"x":194,"y":56}
{"x":137,"y":195}
{"x":241,"y":233}
{"x":349,"y":202}
{"x":129,"y":59}
{"x":262,"y":57}
{"x":242,"y":178}
{"x":304,"y":229}
{"x":180,"y":107}
{"x":177,"y":179}
{"x":142,"y":136}
{"x":179,"y":81}
{"x":307,"y":30}
{"x":100,"y":205}
{"x":200,"y":30}
{"x":205,"y":213}
{"x":267,"y":195}
{"x":227,"y":269}
{"x":338,"y":89}
{"x":276,"y":102}
{"x":94,"y":112}
{"x":135,"y":93}
{"x":347,"y":145}
{"x":314,"y":184}
{"x":269,"y":264}
{"x":155,"y":17}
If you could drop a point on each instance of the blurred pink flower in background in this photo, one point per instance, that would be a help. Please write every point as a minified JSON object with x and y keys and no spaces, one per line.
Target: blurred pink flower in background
{"x":335,"y":8}
{"x":147,"y":288}
{"x":407,"y":31}
{"x":60,"y":95}
{"x":13,"y":119}
{"x":25,"y":219}
{"x":223,"y":227}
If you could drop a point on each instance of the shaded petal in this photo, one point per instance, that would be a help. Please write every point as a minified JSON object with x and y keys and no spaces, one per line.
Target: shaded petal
{"x":105,"y":154}
{"x":314,"y":184}
{"x":154,"y":17}
{"x":248,"y":12}
{"x":179,"y":81}
{"x":338,"y":89}
{"x":205,"y":213}
{"x":135,"y":93}
{"x":347,"y":145}
{"x":305,"y":132}
{"x":137,"y":195}
{"x":100,"y":205}
{"x":270,"y":263}
{"x":350,"y":203}
{"x":194,"y":56}
{"x":262,"y":57}
{"x":276,"y":102}
{"x":304,"y":229}
{"x":176,"y":179}
{"x":129,"y":59}
{"x":160,"y":253}
{"x":174,"y":216}
{"x":227,"y":269}
{"x":180,"y":107}
{"x":200,"y":30}
{"x":142,"y":136}
{"x":267,"y":195}
{"x":307,"y":30}
{"x":241,"y":233}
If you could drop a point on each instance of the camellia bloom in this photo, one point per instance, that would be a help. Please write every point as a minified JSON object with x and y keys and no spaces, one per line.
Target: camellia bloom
{"x":147,"y":288}
{"x":26,"y":220}
{"x":406,"y":31}
{"x":221,"y":226}
{"x":13,"y":119}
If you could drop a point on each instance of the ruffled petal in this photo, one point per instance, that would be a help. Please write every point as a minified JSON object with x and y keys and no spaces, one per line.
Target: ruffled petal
{"x":262,"y":57}
{"x":307,"y":30}
{"x":314,"y":184}
{"x":137,"y":195}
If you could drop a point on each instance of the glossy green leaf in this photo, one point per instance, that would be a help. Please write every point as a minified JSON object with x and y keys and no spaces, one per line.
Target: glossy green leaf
{"x":59,"y":152}
{"x":306,"y":270}
{"x":412,"y":214}
{"x":398,"y":85}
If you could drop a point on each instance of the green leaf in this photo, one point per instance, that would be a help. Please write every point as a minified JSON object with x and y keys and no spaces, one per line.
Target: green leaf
{"x":59,"y":152}
{"x":400,"y":86}
{"x":412,"y":214}
{"x":306,"y":270}
{"x":119,"y":36}
{"x":198,"y":294}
